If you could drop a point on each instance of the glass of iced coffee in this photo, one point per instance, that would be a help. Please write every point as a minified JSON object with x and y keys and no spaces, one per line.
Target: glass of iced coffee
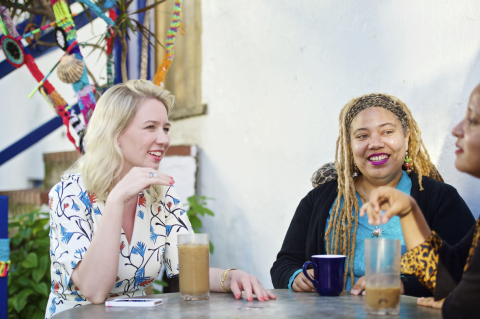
{"x":193,"y":254}
{"x":382,"y":276}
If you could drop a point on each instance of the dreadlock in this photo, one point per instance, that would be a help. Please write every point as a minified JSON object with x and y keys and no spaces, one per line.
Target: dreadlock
{"x":339,"y":235}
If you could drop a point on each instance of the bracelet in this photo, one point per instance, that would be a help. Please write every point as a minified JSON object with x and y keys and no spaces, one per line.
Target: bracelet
{"x":224,"y":276}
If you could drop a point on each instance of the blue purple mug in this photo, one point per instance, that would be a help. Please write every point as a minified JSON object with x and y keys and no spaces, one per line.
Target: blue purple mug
{"x":329,"y":271}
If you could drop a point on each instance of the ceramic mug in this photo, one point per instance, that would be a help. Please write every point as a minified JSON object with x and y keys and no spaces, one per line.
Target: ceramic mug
{"x":329,"y":271}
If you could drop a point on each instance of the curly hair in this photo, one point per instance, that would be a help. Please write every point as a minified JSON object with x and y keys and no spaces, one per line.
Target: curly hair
{"x":339,"y":235}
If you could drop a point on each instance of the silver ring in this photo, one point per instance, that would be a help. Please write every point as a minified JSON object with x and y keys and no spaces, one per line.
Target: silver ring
{"x":153,"y":175}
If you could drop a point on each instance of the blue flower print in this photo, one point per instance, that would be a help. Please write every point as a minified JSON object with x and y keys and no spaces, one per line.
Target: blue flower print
{"x":85,"y":199}
{"x":75,"y":207}
{"x":176,"y":201}
{"x":53,"y":307}
{"x":66,"y":236}
{"x":169,"y":229}
{"x":153,"y":236}
{"x":140,"y":214}
{"x":57,"y":189}
{"x":139,"y":249}
{"x":97,"y":211}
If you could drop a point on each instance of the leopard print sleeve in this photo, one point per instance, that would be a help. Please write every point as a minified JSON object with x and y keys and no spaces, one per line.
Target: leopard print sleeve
{"x":422,"y":261}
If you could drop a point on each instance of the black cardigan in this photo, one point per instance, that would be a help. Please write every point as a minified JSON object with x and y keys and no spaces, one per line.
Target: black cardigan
{"x":444,"y":210}
{"x":462,"y":289}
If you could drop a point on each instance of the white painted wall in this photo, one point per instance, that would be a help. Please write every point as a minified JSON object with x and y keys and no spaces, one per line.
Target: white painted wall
{"x":275,"y":75}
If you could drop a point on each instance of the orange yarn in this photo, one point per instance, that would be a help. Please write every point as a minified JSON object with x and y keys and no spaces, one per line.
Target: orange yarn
{"x":57,"y":99}
{"x":161,"y":72}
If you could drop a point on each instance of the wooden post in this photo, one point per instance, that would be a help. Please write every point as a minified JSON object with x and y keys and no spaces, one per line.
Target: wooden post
{"x":3,"y":235}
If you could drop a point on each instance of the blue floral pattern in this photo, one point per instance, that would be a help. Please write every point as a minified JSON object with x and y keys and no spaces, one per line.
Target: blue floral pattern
{"x":74,"y":217}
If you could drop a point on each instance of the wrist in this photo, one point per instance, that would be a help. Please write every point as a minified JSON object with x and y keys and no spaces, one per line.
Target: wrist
{"x":226,"y":278}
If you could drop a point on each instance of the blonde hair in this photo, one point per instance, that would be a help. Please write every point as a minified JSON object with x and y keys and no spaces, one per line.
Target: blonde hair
{"x":103,"y":159}
{"x":342,"y":221}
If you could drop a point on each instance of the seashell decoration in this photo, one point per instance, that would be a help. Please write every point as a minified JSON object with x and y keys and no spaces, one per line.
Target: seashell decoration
{"x":70,"y":69}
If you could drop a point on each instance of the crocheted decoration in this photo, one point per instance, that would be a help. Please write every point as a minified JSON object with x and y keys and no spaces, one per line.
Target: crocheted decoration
{"x":4,"y":249}
{"x":97,"y":11}
{"x":13,"y":50}
{"x":4,"y":268}
{"x":38,"y":30}
{"x":37,"y":74}
{"x":61,"y":11}
{"x":170,"y":45}
{"x":110,"y":57}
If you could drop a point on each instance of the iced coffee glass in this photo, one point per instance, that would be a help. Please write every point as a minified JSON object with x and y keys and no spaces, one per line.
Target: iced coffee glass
{"x":193,"y":254}
{"x":382,"y":275}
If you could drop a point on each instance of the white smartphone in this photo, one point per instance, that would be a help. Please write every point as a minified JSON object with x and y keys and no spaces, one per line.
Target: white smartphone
{"x":130,"y":302}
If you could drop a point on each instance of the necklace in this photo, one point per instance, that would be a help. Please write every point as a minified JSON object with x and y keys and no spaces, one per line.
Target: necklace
{"x":376,"y":230}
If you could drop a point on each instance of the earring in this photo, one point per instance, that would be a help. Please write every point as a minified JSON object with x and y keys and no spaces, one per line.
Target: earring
{"x":355,"y":173}
{"x":407,"y":163}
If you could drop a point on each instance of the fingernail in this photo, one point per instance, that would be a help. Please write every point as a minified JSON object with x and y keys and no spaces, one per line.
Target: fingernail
{"x":260,"y":298}
{"x":237,"y":296}
{"x":250,"y":299}
{"x":266,"y":298}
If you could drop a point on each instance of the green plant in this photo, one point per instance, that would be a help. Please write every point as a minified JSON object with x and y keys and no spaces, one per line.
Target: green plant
{"x":29,"y":278}
{"x":197,"y":206}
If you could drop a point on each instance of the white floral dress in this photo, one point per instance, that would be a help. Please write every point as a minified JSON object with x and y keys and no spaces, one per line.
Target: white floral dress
{"x":74,"y":217}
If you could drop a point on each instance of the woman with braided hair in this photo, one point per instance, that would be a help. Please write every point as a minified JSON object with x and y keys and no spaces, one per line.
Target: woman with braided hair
{"x":379,"y":144}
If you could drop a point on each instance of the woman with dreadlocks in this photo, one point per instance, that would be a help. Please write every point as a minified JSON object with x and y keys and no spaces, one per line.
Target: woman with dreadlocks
{"x":378,"y":138}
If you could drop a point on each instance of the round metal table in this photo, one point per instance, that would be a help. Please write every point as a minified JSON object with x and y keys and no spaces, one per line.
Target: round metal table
{"x":289,"y":304}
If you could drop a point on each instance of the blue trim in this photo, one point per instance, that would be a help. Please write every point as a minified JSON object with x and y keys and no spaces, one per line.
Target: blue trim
{"x":3,"y":234}
{"x":290,"y":282}
{"x":5,"y":248}
{"x":30,"y":139}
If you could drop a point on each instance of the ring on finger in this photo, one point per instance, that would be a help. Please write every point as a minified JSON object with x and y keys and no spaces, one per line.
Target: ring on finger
{"x":153,"y":174}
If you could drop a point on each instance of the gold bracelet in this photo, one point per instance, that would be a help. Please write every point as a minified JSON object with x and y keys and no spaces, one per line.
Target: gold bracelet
{"x":224,"y":275}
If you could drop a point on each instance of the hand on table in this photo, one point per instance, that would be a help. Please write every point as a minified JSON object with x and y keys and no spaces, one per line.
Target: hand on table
{"x":359,"y":287}
{"x":430,"y":302}
{"x":302,"y":283}
{"x":240,"y":280}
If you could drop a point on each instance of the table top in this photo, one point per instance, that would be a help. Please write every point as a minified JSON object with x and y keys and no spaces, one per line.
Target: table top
{"x":289,"y":304}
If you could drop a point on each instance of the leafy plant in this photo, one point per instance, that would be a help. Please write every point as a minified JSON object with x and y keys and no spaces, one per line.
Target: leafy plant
{"x":29,"y":278}
{"x":197,"y":206}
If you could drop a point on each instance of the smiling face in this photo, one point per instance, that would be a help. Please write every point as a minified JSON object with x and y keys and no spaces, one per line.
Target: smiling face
{"x":468,"y":137}
{"x":378,"y":145}
{"x":145,"y":140}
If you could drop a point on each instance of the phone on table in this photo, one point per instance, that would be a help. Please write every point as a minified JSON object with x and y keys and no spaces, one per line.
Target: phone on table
{"x":130,"y":302}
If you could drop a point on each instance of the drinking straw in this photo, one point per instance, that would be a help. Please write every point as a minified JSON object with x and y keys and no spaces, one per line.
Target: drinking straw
{"x":48,"y":74}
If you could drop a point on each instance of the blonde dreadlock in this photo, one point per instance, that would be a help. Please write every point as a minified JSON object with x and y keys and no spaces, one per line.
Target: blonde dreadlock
{"x":339,"y":230}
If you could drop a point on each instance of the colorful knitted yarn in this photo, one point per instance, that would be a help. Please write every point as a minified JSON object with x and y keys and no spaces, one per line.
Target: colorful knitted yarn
{"x":87,"y":104}
{"x":97,"y":11}
{"x":4,"y":249}
{"x":4,"y":267}
{"x":170,"y":45}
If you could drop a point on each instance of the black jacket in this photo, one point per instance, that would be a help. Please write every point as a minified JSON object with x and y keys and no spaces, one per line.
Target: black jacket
{"x":444,"y":210}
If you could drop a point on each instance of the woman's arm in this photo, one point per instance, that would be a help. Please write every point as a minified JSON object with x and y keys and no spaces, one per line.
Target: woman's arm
{"x":396,"y":203}
{"x":95,"y":275}
{"x":239,"y":280}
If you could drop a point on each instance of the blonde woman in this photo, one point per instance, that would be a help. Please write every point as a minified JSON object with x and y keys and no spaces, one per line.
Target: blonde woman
{"x":379,"y":144}
{"x":114,"y":217}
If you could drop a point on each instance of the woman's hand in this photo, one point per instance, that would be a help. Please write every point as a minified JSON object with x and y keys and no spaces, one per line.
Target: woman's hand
{"x":430,"y":302}
{"x":136,"y":180}
{"x":240,"y":280}
{"x":302,"y":283}
{"x":359,"y":287}
{"x":391,"y":200}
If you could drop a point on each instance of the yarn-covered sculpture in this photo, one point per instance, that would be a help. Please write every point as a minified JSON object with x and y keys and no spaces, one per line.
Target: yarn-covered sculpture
{"x":170,"y":45}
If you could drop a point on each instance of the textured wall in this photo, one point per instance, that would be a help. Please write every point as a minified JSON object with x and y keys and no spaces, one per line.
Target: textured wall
{"x":275,"y":75}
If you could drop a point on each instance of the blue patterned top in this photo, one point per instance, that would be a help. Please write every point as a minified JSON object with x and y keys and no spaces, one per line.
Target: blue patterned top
{"x":392,"y":229}
{"x":74,"y":217}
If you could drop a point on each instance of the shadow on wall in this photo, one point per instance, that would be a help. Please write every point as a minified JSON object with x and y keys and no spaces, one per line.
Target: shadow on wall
{"x":231,"y":250}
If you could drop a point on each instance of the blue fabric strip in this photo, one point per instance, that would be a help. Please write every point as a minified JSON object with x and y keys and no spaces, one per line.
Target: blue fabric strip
{"x":4,"y":249}
{"x":290,"y":282}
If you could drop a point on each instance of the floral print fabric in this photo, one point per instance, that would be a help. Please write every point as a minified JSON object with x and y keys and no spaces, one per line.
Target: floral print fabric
{"x":74,"y":217}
